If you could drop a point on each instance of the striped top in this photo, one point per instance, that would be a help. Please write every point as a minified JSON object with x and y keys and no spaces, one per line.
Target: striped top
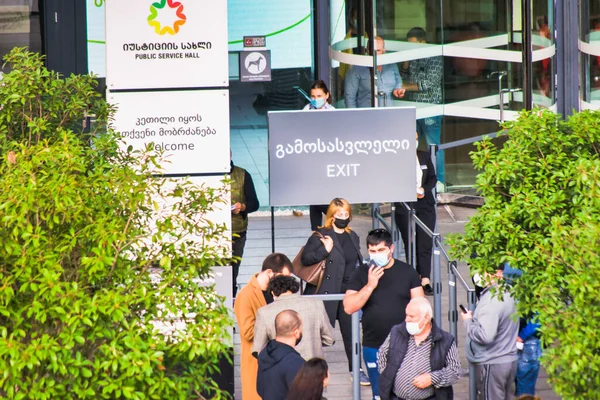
{"x":417,"y":361}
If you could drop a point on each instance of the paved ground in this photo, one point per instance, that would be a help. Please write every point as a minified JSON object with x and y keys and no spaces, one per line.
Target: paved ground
{"x":291,"y":233}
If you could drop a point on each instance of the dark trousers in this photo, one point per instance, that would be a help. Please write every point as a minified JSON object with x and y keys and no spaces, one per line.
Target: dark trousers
{"x":424,"y":242}
{"x":316,"y":215}
{"x":237,"y":250}
{"x":345,"y":321}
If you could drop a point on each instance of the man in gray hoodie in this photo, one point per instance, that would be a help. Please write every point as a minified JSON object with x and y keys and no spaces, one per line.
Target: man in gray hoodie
{"x":491,"y":340}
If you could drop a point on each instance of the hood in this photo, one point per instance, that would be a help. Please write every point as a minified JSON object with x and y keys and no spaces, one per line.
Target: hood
{"x":273,"y":353}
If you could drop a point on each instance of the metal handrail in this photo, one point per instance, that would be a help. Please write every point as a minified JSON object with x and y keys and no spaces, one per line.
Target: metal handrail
{"x":453,"y":274}
{"x":355,"y":341}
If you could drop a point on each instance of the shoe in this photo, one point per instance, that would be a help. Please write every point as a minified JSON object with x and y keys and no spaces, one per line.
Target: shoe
{"x":364,"y":379}
{"x":428,"y":289}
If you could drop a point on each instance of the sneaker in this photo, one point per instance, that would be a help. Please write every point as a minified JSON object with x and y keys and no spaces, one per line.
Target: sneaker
{"x":364,"y":379}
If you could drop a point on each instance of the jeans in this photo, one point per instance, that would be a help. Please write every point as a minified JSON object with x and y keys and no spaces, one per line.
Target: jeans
{"x":431,"y":130}
{"x":528,"y":366}
{"x":370,"y":357}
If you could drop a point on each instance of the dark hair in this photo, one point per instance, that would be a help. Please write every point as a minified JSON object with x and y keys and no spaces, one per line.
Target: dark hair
{"x":281,"y":284}
{"x":418,"y":33}
{"x":276,"y":262}
{"x":377,"y":236}
{"x":286,"y":321}
{"x":308,"y":383}
{"x":320,"y":84}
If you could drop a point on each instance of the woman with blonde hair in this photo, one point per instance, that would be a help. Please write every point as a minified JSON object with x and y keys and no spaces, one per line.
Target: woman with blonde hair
{"x":339,"y":245}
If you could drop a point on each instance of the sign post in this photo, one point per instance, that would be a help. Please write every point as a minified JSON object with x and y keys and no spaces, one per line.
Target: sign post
{"x":167,"y":73}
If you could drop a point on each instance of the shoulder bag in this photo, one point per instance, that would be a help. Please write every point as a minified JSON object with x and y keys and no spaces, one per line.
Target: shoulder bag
{"x":312,"y":274}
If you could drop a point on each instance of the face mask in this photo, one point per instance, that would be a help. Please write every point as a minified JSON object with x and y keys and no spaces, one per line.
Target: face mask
{"x":318,"y":103}
{"x":478,"y":280}
{"x":341,"y":223}
{"x":299,"y":340}
{"x":413,"y":327}
{"x":381,"y":259}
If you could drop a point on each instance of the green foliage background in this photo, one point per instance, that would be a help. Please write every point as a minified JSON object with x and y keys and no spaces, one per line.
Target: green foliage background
{"x":542,"y":215}
{"x":92,"y":266}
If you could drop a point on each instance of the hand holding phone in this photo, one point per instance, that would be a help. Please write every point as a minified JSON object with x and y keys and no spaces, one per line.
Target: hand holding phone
{"x":463,"y":309}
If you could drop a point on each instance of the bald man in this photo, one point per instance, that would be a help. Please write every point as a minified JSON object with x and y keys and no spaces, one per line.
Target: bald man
{"x":418,"y":360}
{"x":279,"y":362}
{"x":357,"y":85}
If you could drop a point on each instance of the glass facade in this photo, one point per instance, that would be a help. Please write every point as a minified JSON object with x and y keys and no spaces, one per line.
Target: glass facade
{"x":288,"y":27}
{"x":20,"y":26}
{"x":589,"y":47}
{"x":463,"y":74}
{"x":461,"y":65}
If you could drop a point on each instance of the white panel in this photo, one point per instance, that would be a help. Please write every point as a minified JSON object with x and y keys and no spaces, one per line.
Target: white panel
{"x":592,"y":48}
{"x":191,"y":126}
{"x":191,"y":37}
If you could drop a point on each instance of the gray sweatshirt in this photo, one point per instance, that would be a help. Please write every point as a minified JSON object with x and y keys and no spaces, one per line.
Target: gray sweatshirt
{"x":492,"y":333}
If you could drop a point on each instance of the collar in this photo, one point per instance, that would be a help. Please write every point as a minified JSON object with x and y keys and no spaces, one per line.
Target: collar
{"x":487,"y":289}
{"x":288,"y":296}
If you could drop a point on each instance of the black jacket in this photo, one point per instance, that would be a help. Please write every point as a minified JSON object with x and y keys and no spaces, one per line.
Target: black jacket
{"x":278,"y":365}
{"x":442,"y":341}
{"x":315,"y":251}
{"x":428,"y":181}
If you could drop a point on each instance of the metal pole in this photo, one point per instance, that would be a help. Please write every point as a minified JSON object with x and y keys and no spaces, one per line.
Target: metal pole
{"x":472,"y":301}
{"x":272,"y":229}
{"x":409,"y":231}
{"x":437,"y":281}
{"x":355,"y":357}
{"x":374,"y":211}
{"x":527,"y":54}
{"x":370,"y":28}
{"x":452,"y":311}
{"x":413,"y":239}
{"x":395,"y":233}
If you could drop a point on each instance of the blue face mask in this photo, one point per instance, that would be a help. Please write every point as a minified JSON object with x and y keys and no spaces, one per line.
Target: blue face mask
{"x":318,"y":103}
{"x":380,"y":259}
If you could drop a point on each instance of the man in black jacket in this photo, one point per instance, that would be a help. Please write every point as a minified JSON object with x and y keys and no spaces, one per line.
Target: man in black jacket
{"x":243,"y":202}
{"x":279,"y":362}
{"x":418,"y":360}
{"x":425,"y":210}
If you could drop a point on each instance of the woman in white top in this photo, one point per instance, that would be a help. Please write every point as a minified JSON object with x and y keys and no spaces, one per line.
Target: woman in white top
{"x":320,"y":97}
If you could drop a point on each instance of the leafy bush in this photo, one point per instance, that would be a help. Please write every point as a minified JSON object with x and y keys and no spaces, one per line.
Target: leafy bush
{"x":542,"y":215}
{"x":100,"y":294}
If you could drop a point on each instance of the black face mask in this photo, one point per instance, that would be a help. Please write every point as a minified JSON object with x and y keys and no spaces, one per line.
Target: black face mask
{"x":341,"y":223}
{"x":299,"y":339}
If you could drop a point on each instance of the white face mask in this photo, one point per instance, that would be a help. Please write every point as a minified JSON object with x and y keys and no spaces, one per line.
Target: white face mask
{"x":413,"y":327}
{"x":478,"y":279}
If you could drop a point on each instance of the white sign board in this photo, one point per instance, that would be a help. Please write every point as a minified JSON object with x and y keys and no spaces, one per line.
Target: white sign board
{"x":192,"y":127}
{"x":166,"y":44}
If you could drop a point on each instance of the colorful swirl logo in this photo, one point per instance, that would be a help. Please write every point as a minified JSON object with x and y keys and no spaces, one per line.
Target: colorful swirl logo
{"x":163,"y":30}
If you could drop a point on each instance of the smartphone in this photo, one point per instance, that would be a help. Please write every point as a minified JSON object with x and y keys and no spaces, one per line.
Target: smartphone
{"x":463,"y":309}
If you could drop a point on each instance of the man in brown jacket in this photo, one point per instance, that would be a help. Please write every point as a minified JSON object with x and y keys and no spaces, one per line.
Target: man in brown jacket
{"x":316,"y":329}
{"x":248,"y":300}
